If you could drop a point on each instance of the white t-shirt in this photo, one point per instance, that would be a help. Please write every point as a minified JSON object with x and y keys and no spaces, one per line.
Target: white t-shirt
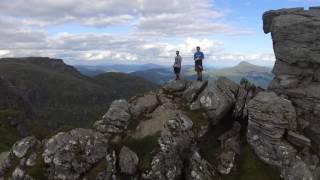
{"x":177,"y":61}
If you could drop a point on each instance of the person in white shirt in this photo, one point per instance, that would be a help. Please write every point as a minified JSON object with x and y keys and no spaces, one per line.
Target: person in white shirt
{"x":177,"y":65}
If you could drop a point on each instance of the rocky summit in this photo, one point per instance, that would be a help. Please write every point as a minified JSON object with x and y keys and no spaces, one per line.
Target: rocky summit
{"x":207,"y":130}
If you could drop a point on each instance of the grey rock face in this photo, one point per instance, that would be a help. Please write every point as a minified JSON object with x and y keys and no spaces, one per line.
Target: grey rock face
{"x":295,"y":35}
{"x":168,"y":164}
{"x":313,"y":132}
{"x":230,"y":140}
{"x":69,"y":155}
{"x":156,"y":123}
{"x":18,"y":174}
{"x":298,"y":139}
{"x":199,"y":169}
{"x":21,"y":147}
{"x":175,"y":86}
{"x":31,"y":161}
{"x":218,"y":98}
{"x":144,"y":104}
{"x":5,"y":162}
{"x":269,"y":117}
{"x":297,"y":170}
{"x":193,"y":90}
{"x":230,"y":145}
{"x":128,"y":161}
{"x":116,"y":120}
{"x":244,"y":95}
{"x":227,"y":159}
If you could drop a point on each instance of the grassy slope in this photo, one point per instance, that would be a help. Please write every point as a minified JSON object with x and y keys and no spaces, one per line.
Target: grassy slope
{"x":63,"y":98}
{"x":8,"y":134}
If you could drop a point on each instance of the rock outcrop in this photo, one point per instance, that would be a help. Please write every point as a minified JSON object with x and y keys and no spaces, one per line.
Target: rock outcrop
{"x":128,"y":161}
{"x":295,"y":35}
{"x":116,"y":120}
{"x":144,"y":104}
{"x":283,"y":125}
{"x":230,"y":145}
{"x":108,"y":151}
{"x":217,"y":99}
{"x":70,"y":155}
{"x":177,"y":136}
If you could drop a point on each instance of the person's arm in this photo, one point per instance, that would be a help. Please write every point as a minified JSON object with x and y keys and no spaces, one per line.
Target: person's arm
{"x":202,"y":55}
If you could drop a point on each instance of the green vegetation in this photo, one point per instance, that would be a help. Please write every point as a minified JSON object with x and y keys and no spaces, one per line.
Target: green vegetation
{"x":38,"y":171}
{"x":209,"y":144}
{"x":247,"y":166}
{"x":145,"y":148}
{"x":8,"y":134}
{"x":199,"y":121}
{"x":52,"y":95}
{"x":252,"y":168}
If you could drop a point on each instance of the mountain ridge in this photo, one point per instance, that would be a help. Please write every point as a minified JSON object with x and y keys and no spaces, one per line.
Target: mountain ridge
{"x":53,"y":95}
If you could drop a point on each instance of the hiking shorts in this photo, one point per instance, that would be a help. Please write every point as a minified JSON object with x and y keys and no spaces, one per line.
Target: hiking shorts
{"x":177,"y":70}
{"x":198,"y":65}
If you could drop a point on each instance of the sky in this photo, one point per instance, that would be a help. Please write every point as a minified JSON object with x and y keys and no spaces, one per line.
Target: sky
{"x":94,"y":32}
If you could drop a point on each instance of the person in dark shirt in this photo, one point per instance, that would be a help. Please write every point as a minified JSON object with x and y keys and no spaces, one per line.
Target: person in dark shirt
{"x":177,"y":65}
{"x":198,"y":57}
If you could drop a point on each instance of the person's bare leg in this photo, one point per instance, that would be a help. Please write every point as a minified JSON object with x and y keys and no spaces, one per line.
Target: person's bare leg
{"x":200,"y":75}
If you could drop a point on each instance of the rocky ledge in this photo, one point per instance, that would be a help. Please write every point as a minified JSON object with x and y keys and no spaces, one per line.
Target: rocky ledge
{"x":153,"y":136}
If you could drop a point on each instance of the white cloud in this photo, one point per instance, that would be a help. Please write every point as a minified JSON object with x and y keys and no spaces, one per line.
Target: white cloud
{"x":3,"y":53}
{"x":152,"y":17}
{"x":156,"y":29}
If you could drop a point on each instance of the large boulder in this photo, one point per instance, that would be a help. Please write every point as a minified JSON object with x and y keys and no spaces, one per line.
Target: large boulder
{"x":5,"y":162}
{"x":193,"y":90}
{"x":168,"y":163}
{"x":69,"y":155}
{"x":295,"y":34}
{"x":175,"y":86}
{"x":116,"y":120}
{"x":245,"y":93}
{"x":145,"y":104}
{"x":270,"y":116}
{"x":217,"y":99}
{"x":128,"y":161}
{"x":199,"y":168}
{"x":20,"y":148}
{"x":156,"y":123}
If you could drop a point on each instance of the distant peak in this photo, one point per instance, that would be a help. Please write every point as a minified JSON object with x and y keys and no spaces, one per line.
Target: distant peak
{"x":244,"y":63}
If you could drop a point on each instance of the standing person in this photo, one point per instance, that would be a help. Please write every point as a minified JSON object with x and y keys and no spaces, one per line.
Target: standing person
{"x":177,"y":65}
{"x":198,"y":57}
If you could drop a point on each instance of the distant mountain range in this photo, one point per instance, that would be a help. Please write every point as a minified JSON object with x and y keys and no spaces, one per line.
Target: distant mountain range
{"x":124,"y":68}
{"x":40,"y":95}
{"x":259,"y":75}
